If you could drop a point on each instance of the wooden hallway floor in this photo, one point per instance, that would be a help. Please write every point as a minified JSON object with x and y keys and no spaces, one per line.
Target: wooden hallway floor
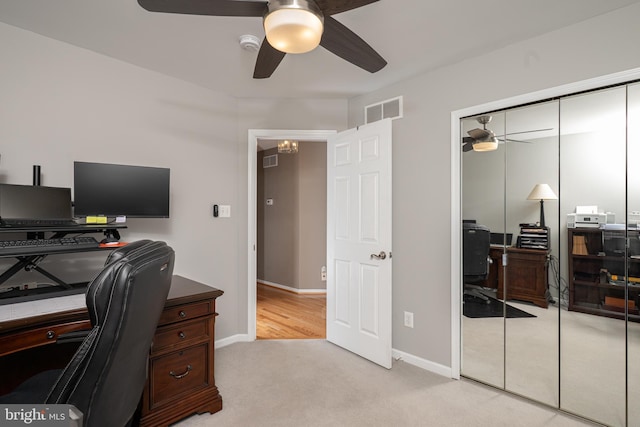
{"x":287,"y":315}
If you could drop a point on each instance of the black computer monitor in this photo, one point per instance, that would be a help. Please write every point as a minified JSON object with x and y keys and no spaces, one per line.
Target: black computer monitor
{"x":114,"y":190}
{"x":30,"y":202}
{"x":501,"y":239}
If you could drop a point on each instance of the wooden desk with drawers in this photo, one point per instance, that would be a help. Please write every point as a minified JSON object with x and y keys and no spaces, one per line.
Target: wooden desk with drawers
{"x":525,"y":274}
{"x":181,"y":361}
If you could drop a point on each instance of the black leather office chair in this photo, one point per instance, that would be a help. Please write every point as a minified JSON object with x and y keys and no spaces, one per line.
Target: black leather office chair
{"x":476,"y":241}
{"x":106,"y":376}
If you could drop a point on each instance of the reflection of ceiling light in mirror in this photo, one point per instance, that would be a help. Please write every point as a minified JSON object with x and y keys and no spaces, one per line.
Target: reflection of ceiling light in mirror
{"x":287,"y":146}
{"x":488,"y":144}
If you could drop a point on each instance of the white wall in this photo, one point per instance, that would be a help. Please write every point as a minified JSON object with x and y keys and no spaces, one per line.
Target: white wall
{"x":422,"y":154}
{"x":61,"y":103}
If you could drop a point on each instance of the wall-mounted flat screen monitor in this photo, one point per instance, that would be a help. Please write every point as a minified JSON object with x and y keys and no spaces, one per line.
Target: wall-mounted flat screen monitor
{"x":115,"y":190}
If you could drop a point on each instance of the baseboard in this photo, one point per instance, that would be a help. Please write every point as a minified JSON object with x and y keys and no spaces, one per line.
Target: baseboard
{"x":427,"y":365}
{"x":232,"y":340}
{"x":290,"y":289}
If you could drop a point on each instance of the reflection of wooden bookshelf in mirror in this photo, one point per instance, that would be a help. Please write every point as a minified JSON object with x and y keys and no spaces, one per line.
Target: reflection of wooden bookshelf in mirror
{"x":597,"y":277}
{"x":579,"y":245}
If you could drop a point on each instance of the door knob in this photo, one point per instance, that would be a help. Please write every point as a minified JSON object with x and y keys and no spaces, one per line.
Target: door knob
{"x":381,"y":255}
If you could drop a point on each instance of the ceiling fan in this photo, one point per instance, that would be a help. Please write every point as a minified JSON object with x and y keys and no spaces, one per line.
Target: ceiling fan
{"x":485,"y":140}
{"x":291,"y":26}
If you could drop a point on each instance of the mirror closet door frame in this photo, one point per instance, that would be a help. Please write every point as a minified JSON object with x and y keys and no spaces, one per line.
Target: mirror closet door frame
{"x":629,"y":414}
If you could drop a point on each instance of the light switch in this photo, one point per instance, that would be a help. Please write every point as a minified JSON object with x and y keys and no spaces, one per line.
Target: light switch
{"x":224,"y":211}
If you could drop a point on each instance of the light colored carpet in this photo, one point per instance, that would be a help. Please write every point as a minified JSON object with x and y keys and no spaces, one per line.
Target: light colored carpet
{"x":314,"y":383}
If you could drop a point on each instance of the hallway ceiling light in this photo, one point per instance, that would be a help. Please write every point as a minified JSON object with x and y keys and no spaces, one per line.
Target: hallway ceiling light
{"x":287,"y":146}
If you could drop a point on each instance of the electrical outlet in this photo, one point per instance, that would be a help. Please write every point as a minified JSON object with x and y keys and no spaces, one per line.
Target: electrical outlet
{"x":408,"y":319}
{"x":323,"y":274}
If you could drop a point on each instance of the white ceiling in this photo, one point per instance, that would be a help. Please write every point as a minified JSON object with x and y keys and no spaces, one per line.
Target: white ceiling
{"x":414,"y":36}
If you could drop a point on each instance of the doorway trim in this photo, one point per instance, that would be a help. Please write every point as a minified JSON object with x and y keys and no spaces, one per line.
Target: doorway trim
{"x":456,"y":183}
{"x":252,"y":203}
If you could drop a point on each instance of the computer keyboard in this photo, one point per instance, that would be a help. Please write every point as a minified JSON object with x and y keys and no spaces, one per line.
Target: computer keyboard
{"x":45,"y":246}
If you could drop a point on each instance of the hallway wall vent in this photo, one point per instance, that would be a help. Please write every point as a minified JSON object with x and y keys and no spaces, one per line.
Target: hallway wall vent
{"x":270,"y":161}
{"x":391,"y":108}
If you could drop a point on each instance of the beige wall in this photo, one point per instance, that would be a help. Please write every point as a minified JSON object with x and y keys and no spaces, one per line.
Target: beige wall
{"x":292,"y":231}
{"x":62,"y":103}
{"x":312,"y":208}
{"x":422,"y":155}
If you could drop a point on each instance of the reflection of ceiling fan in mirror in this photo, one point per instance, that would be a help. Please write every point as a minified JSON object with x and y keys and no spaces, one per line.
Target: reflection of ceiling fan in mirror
{"x":485,"y":140}
{"x":291,"y":26}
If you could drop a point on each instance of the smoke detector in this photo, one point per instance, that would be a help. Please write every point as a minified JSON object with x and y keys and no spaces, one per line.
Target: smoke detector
{"x":250,"y":42}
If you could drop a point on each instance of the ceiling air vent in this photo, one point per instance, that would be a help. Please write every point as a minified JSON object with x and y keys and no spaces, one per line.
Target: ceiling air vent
{"x":270,"y":161}
{"x":391,"y":108}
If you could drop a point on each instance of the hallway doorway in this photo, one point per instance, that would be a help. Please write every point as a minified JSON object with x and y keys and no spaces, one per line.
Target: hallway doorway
{"x":290,"y":300}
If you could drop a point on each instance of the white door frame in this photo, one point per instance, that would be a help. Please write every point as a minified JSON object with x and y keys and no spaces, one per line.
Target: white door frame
{"x":254,"y":136}
{"x":456,"y":184}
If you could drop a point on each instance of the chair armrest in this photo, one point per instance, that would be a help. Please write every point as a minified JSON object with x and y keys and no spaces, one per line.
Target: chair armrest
{"x":75,"y":336}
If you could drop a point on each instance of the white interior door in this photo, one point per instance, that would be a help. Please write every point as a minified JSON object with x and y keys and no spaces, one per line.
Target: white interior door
{"x":359,"y":241}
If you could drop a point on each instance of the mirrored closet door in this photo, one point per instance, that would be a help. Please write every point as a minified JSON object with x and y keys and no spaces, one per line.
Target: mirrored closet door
{"x":531,"y":192}
{"x":593,"y":348}
{"x":500,"y":190}
{"x":483,"y":213}
{"x":633,"y":288}
{"x":559,"y":192}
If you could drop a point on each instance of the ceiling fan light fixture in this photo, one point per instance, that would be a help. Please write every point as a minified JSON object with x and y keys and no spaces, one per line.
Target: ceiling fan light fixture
{"x":293,"y":26}
{"x":488,"y":144}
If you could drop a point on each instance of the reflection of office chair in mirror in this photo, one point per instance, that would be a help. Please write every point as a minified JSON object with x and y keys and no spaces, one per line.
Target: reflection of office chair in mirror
{"x":475,"y":258}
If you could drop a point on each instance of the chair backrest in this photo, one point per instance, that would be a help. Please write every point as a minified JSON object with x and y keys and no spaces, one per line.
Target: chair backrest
{"x":107,"y":374}
{"x":476,"y":242}
{"x":123,"y":251}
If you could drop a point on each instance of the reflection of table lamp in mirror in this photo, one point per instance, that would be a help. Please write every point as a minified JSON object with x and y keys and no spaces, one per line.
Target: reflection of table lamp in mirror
{"x":542,"y":192}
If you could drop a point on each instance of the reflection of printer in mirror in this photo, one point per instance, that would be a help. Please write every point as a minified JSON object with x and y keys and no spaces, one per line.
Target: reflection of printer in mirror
{"x":589,"y":217}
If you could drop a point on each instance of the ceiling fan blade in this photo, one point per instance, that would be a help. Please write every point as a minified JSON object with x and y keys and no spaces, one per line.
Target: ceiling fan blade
{"x":343,"y":42}
{"x":331,"y":7}
{"x":514,"y":140}
{"x":268,"y":60}
{"x":479,"y":133}
{"x":467,"y":147}
{"x":527,"y":131}
{"x":467,"y":140}
{"x":206,"y":7}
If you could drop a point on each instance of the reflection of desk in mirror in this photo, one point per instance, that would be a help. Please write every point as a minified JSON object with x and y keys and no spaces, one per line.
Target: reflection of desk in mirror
{"x":526,"y":274}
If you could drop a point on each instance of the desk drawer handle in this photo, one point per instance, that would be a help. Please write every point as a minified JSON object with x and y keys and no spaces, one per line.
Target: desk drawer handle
{"x":182,"y":314}
{"x":182,"y":335}
{"x":179,"y":376}
{"x":51,"y":335}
